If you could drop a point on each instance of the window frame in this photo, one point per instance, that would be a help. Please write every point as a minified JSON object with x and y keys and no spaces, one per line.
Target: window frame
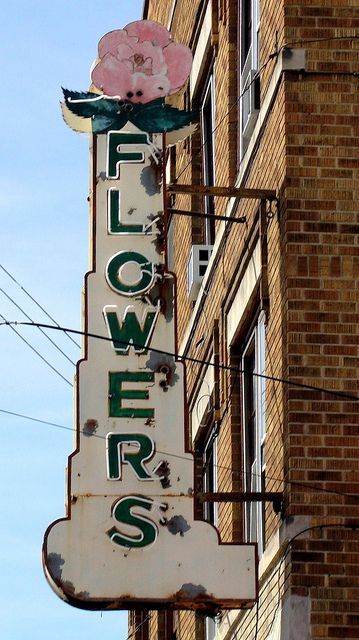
{"x":248,"y":66}
{"x":208,"y":115}
{"x":253,"y":407}
{"x":210,"y":473}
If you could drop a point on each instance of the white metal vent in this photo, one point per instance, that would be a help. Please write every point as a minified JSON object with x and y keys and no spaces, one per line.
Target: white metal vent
{"x":197,"y":265}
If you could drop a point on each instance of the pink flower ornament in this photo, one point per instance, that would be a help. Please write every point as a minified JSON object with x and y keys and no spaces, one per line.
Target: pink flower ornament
{"x":140,"y":63}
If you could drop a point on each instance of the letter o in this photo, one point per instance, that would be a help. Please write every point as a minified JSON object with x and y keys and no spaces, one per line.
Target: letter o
{"x":130,"y":273}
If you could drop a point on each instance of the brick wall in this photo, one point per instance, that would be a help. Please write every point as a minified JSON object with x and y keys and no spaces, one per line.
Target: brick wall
{"x":308,"y":153}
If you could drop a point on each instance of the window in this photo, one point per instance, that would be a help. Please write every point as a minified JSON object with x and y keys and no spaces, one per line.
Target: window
{"x":165,"y":625}
{"x":207,"y":127}
{"x":249,"y":88}
{"x":254,"y":431}
{"x":139,"y":621}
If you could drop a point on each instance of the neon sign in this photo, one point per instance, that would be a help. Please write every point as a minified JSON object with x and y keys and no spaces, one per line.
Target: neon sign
{"x":129,"y":537}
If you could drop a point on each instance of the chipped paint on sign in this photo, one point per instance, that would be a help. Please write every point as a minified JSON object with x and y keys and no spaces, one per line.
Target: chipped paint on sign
{"x":130,"y":508}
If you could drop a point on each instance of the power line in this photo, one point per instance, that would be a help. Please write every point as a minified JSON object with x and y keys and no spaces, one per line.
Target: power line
{"x":35,"y":350}
{"x":235,"y":103}
{"x":273,"y":55}
{"x":304,"y":485}
{"x":286,"y":551}
{"x":139,"y":626}
{"x":302,"y":385}
{"x":290,"y":45}
{"x":40,"y":329}
{"x":52,"y":424}
{"x":35,"y":301}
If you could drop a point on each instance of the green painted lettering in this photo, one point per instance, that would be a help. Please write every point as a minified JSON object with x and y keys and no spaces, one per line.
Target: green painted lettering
{"x":122,"y":513}
{"x":114,"y":217}
{"x":144,"y":450}
{"x":117,"y":153}
{"x":118,"y":394}
{"x":130,"y":273}
{"x":130,"y":332}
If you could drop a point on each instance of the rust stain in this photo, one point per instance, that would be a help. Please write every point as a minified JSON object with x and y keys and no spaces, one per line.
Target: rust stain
{"x":90,"y":427}
{"x":163,"y":471}
{"x":165,"y":366}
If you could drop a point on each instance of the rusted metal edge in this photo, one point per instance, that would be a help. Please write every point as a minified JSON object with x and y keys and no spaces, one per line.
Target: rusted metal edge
{"x":236,"y":496}
{"x":199,"y":214}
{"x":226,"y":192}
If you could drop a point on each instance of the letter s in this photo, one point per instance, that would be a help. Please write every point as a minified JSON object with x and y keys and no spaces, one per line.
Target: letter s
{"x":122,"y":513}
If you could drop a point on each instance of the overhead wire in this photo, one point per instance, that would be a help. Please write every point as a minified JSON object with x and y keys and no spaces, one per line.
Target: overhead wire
{"x":281,"y":574}
{"x":139,"y":627}
{"x":12,"y":277}
{"x":289,"y":45}
{"x":274,"y":54}
{"x":232,"y":106}
{"x":67,"y":331}
{"x":177,"y":356}
{"x":40,"y":329}
{"x":354,"y":527}
{"x":36,"y":351}
{"x":281,"y":481}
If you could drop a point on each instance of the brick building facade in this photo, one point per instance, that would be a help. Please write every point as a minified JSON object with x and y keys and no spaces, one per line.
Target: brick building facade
{"x":276,"y":85}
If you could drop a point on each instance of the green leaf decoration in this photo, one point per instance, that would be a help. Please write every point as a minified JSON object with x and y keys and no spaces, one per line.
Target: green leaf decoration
{"x":107,"y":114}
{"x":159,"y":117}
{"x":86,"y":104}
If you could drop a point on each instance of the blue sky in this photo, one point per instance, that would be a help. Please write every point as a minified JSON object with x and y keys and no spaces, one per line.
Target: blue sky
{"x":44,"y":246}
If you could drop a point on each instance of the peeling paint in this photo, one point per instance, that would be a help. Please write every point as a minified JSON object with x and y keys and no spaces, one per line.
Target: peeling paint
{"x":163,"y":471}
{"x":169,"y":299}
{"x":157,"y":222}
{"x":68,"y":587}
{"x":190,"y":590}
{"x":54,"y":563}
{"x":177,"y":524}
{"x":90,"y":427}
{"x":163,"y":295}
{"x":150,"y":181}
{"x":158,"y":362}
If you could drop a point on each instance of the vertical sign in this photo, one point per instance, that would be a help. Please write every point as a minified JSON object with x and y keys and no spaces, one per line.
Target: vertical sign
{"x":129,"y":537}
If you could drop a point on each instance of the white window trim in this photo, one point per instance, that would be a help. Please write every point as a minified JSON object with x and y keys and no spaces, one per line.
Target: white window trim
{"x":294,"y":62}
{"x":201,"y":51}
{"x":254,"y":511}
{"x":209,"y":93}
{"x":249,"y":68}
{"x":211,"y":440}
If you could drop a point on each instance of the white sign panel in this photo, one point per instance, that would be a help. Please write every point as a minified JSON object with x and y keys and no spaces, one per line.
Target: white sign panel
{"x":129,"y":537}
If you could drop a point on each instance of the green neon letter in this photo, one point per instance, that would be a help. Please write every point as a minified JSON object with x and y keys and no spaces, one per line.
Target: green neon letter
{"x":118,"y":394}
{"x":144,"y":449}
{"x":122,"y":513}
{"x":129,"y":273}
{"x":114,"y":216}
{"x":117,"y":155}
{"x":130,"y":332}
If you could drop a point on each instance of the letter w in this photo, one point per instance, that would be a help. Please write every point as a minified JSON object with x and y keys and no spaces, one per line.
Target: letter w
{"x":131,"y":331}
